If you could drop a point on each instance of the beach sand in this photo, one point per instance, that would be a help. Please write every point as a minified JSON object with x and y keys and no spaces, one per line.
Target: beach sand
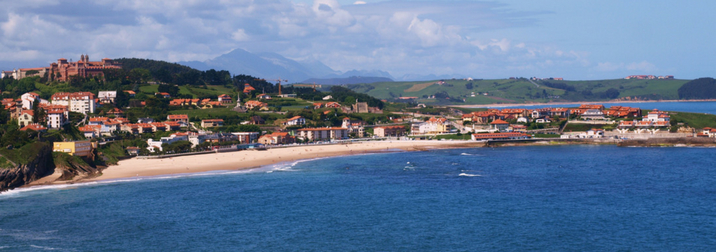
{"x":247,"y":159}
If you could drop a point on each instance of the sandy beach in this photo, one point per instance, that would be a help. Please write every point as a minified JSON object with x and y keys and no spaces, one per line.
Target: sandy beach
{"x":248,"y":159}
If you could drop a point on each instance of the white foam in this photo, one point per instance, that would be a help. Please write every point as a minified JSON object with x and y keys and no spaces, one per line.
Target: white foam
{"x":465,"y":154}
{"x":44,"y":248}
{"x":469,"y":175}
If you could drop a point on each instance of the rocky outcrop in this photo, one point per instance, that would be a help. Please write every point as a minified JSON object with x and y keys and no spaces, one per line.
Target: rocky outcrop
{"x":38,"y":166}
{"x":73,"y":168}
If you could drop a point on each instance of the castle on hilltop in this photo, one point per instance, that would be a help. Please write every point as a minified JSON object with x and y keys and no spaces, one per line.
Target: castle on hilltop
{"x":62,"y":70}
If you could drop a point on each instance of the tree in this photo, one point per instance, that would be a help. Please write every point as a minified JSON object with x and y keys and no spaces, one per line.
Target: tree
{"x":612,"y":93}
{"x":468,"y":85}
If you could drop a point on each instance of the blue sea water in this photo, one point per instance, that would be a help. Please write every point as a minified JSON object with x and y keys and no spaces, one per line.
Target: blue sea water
{"x":707,"y":107}
{"x":544,"y":198}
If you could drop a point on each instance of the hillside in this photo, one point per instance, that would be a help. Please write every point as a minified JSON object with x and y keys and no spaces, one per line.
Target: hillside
{"x":521,"y":90}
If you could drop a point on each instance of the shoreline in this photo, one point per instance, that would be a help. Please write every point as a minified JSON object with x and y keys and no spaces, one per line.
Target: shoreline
{"x":247,"y":159}
{"x":493,"y":105}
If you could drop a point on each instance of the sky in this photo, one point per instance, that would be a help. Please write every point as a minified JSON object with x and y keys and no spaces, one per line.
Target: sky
{"x":573,"y":39}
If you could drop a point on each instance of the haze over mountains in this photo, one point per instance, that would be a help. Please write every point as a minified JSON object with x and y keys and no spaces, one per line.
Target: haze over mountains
{"x":275,"y":66}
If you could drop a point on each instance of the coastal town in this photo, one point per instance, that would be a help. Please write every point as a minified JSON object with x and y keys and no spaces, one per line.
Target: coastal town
{"x":147,"y":118}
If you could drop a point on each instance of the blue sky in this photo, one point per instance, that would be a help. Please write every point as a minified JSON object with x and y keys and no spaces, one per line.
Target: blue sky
{"x":481,"y":39}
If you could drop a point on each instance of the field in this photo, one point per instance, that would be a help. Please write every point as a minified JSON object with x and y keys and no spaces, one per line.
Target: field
{"x":454,"y":92}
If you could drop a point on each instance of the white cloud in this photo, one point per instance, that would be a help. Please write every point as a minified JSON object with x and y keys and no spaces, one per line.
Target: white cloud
{"x":396,"y":36}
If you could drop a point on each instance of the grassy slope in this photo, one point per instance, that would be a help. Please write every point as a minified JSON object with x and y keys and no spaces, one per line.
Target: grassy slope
{"x":519,"y":90}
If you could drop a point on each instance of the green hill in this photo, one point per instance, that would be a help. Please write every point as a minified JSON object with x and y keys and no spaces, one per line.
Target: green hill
{"x":522,"y":90}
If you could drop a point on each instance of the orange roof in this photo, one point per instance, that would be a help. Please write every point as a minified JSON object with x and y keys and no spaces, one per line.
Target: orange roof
{"x":498,"y":121}
{"x":34,"y":126}
{"x":294,"y":118}
{"x":213,"y":120}
{"x":177,"y":117}
{"x":318,"y":129}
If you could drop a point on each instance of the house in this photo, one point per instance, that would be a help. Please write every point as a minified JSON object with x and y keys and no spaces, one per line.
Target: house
{"x":133,"y":151}
{"x":559,"y":112}
{"x":296,"y":120}
{"x":145,"y":120}
{"x":517,"y":128}
{"x":130,"y":93}
{"x":26,"y":118}
{"x":106,"y":96}
{"x":657,"y":116}
{"x":545,"y":119}
{"x":593,"y":114}
{"x":90,"y":131}
{"x":499,"y":125}
{"x":197,"y":139}
{"x":277,"y":138}
{"x":34,"y":126}
{"x":255,"y":104}
{"x":115,"y":112}
{"x":75,"y":148}
{"x":263,"y":97}
{"x":385,"y":131}
{"x":332,"y":105}
{"x":320,"y":134}
{"x":626,"y":124}
{"x":207,"y":123}
{"x":499,"y":136}
{"x":163,"y":95}
{"x":182,"y":119}
{"x":224,"y":99}
{"x":248,"y":88}
{"x":327,"y":97}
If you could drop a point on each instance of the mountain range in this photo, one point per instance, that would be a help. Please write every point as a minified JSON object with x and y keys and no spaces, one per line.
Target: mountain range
{"x":272,"y":66}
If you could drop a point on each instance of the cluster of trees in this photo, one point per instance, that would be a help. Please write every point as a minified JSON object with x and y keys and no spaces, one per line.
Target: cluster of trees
{"x":702,"y":88}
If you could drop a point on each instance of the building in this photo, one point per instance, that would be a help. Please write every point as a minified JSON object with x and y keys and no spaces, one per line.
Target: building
{"x":255,"y":104}
{"x":499,"y":125}
{"x":26,"y":118}
{"x":207,"y":123}
{"x":247,"y":137}
{"x":296,"y":120}
{"x":182,"y":119}
{"x":90,"y":131}
{"x":277,"y":138}
{"x":157,"y":145}
{"x":80,"y":102}
{"x":385,"y":131}
{"x":62,"y":70}
{"x":322,"y":134}
{"x":57,"y":117}
{"x":107,"y":96}
{"x":257,"y":120}
{"x":657,"y":116}
{"x":76,"y":148}
{"x":354,"y":127}
{"x":360,"y":107}
{"x":593,"y":114}
{"x":500,"y":136}
{"x":224,"y":99}
{"x":29,"y":99}
{"x":34,"y":126}
{"x":263,"y":97}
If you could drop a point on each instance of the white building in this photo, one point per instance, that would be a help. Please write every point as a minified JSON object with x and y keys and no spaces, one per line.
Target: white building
{"x":296,"y":120}
{"x":318,"y":134}
{"x":80,"y":102}
{"x":29,"y":99}
{"x":657,"y":116}
{"x":56,"y":118}
{"x":157,"y":145}
{"x":107,"y":96}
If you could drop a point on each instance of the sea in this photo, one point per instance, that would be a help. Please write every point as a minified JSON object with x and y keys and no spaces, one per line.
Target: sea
{"x":530,"y":198}
{"x":535,"y":198}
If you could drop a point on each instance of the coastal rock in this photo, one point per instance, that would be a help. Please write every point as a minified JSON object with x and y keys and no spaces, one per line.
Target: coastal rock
{"x":39,"y":166}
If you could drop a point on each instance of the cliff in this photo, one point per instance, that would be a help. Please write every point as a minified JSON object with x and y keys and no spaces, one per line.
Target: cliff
{"x":37,"y":163}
